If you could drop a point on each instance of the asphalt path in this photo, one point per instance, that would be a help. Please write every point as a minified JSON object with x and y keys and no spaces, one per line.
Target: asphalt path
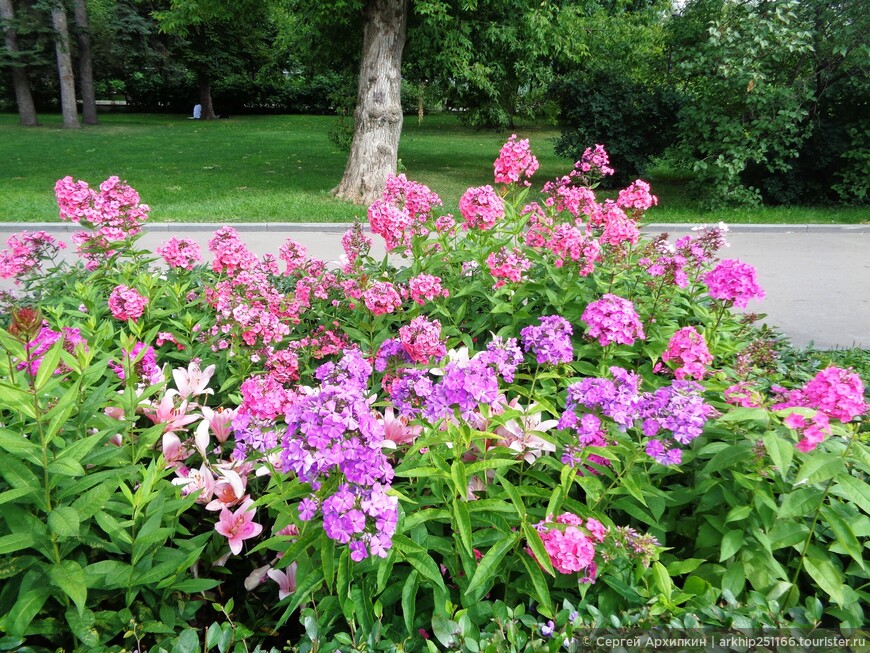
{"x":816,"y":277}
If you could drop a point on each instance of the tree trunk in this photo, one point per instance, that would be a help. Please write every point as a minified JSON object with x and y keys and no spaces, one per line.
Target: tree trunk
{"x":86,"y":68}
{"x":378,"y":115}
{"x":204,"y":84}
{"x":420,"y":103}
{"x":23,"y":97}
{"x":64,"y":68}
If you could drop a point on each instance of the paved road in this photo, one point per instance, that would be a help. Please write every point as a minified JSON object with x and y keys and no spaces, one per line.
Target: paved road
{"x":817,"y":277}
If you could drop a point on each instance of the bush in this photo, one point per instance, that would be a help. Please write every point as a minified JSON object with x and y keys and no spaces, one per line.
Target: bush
{"x":517,"y":426}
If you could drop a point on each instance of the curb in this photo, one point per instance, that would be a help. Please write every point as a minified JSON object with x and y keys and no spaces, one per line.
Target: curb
{"x":341,"y":227}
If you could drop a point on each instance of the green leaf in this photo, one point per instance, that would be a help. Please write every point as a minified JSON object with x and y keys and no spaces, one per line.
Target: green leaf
{"x":409,"y":601}
{"x":65,"y":467}
{"x":460,"y":482}
{"x":70,"y":578}
{"x":488,"y":566}
{"x":536,"y":544}
{"x":539,"y":585}
{"x":826,"y":577}
{"x":800,"y":502}
{"x":738,"y":513}
{"x":19,"y":446}
{"x":16,"y":542}
{"x":780,"y":450}
{"x":186,"y":642}
{"x":32,"y":595}
{"x":514,"y":496}
{"x":82,"y":624}
{"x":818,"y":468}
{"x":734,"y":578}
{"x":12,"y":495}
{"x":855,"y":490}
{"x":48,"y":365}
{"x":64,"y":521}
{"x":843,"y":532}
{"x":463,"y":524}
{"x":731,"y":544}
{"x":687,"y":566}
{"x":17,"y":399}
{"x":662,"y":580}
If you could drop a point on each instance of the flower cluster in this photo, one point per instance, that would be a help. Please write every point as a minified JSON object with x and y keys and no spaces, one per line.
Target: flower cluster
{"x":515,"y":162}
{"x":230,"y":253}
{"x":426,"y":287}
{"x":481,"y":208}
{"x":613,"y":319}
{"x":181,"y":253}
{"x":733,"y":281}
{"x":507,"y":265}
{"x":126,"y":303}
{"x":363,"y":518}
{"x":25,"y":252}
{"x":356,"y":245}
{"x":636,"y":196}
{"x":688,"y":350}
{"x":402,"y":211}
{"x":37,"y":348}
{"x":550,"y":342}
{"x":144,"y":364}
{"x":382,"y":297}
{"x":421,"y":339}
{"x":571,"y":550}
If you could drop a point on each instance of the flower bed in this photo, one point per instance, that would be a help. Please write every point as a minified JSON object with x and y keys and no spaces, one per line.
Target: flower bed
{"x":523,"y":422}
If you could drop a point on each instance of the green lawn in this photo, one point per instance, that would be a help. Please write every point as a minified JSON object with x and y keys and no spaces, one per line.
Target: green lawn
{"x":281,"y":168}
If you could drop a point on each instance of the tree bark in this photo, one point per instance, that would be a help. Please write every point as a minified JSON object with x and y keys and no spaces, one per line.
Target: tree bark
{"x":86,"y":67}
{"x":204,"y":84}
{"x":64,"y":68}
{"x":23,"y":97}
{"x":378,"y":115}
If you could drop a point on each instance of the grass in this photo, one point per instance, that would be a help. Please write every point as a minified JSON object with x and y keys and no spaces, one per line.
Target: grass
{"x":281,"y":168}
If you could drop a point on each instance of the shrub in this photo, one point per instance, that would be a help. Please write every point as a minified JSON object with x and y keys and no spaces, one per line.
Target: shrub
{"x":516,"y":425}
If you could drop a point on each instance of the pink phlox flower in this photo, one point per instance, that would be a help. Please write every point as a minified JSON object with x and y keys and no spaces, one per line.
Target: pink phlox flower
{"x":294,"y":254}
{"x":426,"y":287}
{"x":239,"y":525}
{"x":481,"y":208}
{"x":515,"y":162}
{"x":193,"y":381}
{"x":575,"y":244}
{"x":596,"y":529}
{"x":25,"y":251}
{"x":637,"y":197}
{"x":594,"y":162}
{"x":813,"y":429}
{"x":356,"y":245}
{"x":286,"y":580}
{"x":836,"y":392}
{"x":570,"y":550}
{"x":126,"y":303}
{"x":181,"y":253}
{"x":507,"y":265}
{"x":382,"y":297}
{"x":421,"y":339}
{"x":230,"y":253}
{"x":688,"y":349}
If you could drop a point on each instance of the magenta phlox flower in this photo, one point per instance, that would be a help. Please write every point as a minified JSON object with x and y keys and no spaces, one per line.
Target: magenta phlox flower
{"x":613,"y":319}
{"x":294,"y":255}
{"x":44,"y":340}
{"x":812,"y":429}
{"x":126,"y":303}
{"x":564,"y":195}
{"x":481,"y":208}
{"x":743,"y":394}
{"x":113,"y":212}
{"x":25,"y":251}
{"x":590,"y":433}
{"x":515,"y":162}
{"x":230,"y":253}
{"x":550,"y":341}
{"x":402,"y":211}
{"x":836,"y":392}
{"x":421,"y":339}
{"x":733,"y":281}
{"x":238,"y":526}
{"x":688,"y":350}
{"x":145,"y":365}
{"x":594,"y":163}
{"x":181,"y":253}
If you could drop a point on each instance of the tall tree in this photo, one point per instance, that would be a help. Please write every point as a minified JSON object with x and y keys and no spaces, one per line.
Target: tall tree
{"x":66,"y":77}
{"x":23,"y":97}
{"x":378,"y":114}
{"x":86,"y":67}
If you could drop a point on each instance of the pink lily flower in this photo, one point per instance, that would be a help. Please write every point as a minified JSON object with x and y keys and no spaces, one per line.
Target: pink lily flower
{"x":165,"y":412}
{"x":173,"y":451}
{"x":257,"y":577}
{"x":286,"y":580}
{"x":229,"y":491}
{"x":396,"y":429}
{"x":199,"y":480}
{"x":220,"y":421}
{"x":238,"y":526}
{"x":193,"y":381}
